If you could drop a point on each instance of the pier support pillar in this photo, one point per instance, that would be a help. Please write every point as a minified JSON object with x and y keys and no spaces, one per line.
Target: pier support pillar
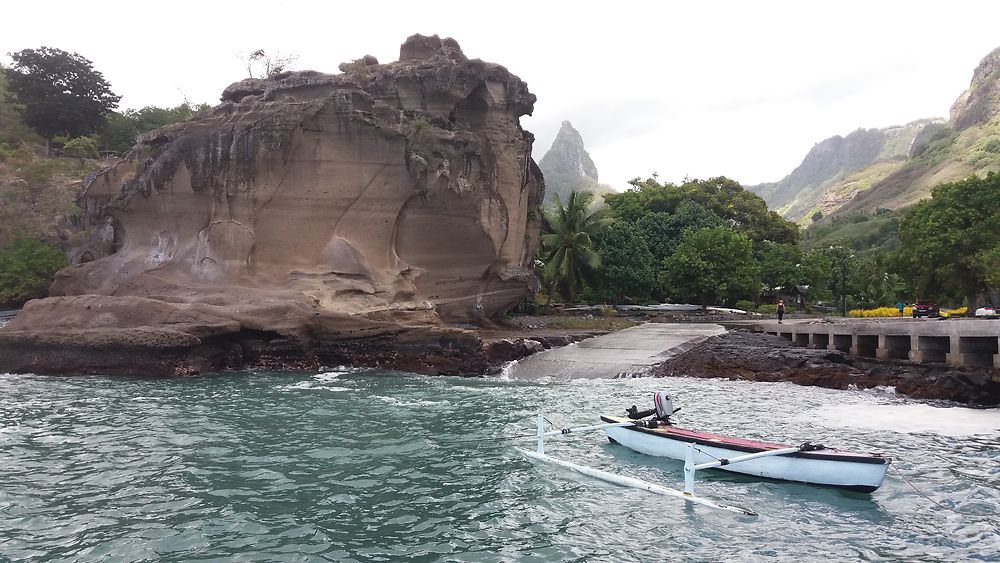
{"x":893,"y":347}
{"x":864,"y":345}
{"x":973,"y":351}
{"x":841,"y":342}
{"x":926,"y":349}
{"x":819,"y":340}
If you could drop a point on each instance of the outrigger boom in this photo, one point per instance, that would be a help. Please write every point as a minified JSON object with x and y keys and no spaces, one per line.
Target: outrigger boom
{"x":690,"y":468}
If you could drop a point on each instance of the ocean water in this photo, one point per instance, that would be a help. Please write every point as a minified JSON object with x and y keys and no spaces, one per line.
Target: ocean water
{"x":355,"y":465}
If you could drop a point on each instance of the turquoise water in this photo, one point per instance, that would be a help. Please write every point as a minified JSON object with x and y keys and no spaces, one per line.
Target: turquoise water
{"x":374,"y":466}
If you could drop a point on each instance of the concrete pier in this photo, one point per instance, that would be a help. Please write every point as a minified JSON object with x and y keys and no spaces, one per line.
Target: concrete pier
{"x":955,"y":342}
{"x":629,"y":352}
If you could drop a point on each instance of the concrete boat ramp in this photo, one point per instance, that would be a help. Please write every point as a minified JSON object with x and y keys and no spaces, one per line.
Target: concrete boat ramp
{"x":625,"y":353}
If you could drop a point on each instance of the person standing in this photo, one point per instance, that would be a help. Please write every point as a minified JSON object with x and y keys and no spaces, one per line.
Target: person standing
{"x":900,"y":306}
{"x":781,"y":311}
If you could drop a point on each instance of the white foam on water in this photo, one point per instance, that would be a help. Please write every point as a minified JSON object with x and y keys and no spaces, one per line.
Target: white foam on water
{"x":311,"y":385}
{"x":326,"y":381}
{"x":914,"y":418}
{"x":328,"y":376}
{"x":417,"y":403}
{"x":506,"y":370}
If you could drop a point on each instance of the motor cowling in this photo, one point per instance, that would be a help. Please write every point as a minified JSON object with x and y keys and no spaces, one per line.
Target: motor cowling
{"x":663,"y":404}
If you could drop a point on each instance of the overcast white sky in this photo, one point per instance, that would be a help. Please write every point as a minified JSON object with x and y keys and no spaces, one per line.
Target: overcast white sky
{"x":699,"y":89}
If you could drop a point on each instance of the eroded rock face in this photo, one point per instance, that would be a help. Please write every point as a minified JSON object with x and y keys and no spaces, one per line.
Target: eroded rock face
{"x":388,"y":193}
{"x":981,"y":102}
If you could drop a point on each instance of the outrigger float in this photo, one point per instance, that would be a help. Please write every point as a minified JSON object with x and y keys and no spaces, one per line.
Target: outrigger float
{"x":650,"y":432}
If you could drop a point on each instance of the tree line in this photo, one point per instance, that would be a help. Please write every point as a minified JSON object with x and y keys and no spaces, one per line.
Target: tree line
{"x":712,"y":242}
{"x":64,"y":99}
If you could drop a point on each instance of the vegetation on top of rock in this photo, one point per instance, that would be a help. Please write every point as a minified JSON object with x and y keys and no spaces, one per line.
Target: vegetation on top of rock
{"x":833,"y":170}
{"x":122,"y":128}
{"x":265,"y":65}
{"x":863,"y":231}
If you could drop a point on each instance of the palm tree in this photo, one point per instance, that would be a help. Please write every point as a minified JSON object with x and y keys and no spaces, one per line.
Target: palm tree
{"x":880,"y":286}
{"x":567,"y":245}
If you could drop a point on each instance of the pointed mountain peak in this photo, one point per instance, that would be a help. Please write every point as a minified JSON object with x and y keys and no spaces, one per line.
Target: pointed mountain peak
{"x":568,"y":156}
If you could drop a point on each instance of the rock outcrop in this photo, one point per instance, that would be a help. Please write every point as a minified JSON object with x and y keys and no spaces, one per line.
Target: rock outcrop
{"x":568,"y":167}
{"x":313,"y":216}
{"x":981,"y":102}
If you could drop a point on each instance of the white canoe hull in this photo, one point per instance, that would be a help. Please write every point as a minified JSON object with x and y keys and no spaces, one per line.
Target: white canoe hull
{"x":852,"y":475}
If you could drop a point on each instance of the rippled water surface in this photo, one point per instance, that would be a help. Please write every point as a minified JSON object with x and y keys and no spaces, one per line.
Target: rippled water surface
{"x":375,"y":466}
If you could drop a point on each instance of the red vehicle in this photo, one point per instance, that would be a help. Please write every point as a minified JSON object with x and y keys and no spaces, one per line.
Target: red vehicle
{"x":925,"y":308}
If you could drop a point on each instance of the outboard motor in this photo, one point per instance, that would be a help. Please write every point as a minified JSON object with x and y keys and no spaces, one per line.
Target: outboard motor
{"x":663,"y":408}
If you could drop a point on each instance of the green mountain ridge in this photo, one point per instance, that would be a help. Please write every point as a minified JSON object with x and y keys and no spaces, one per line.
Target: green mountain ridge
{"x":894,"y":167}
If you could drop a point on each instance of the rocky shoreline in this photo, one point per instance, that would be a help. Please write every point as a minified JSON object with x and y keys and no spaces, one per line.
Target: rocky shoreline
{"x":749,"y":356}
{"x":165,"y":352}
{"x":467,"y":351}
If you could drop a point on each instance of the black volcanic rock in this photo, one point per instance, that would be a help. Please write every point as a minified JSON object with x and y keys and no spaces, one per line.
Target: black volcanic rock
{"x":741,"y":355}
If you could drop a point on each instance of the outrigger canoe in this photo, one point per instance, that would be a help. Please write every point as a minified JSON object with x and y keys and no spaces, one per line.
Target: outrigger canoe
{"x":808,"y":463}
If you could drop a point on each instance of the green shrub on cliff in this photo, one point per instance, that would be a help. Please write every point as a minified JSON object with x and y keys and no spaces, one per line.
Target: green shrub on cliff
{"x":118,"y":135}
{"x":80,"y":147}
{"x":26,"y":270}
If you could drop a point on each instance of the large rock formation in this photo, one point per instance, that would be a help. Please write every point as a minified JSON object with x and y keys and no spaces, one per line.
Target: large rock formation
{"x":312,"y":216}
{"x":568,"y":167}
